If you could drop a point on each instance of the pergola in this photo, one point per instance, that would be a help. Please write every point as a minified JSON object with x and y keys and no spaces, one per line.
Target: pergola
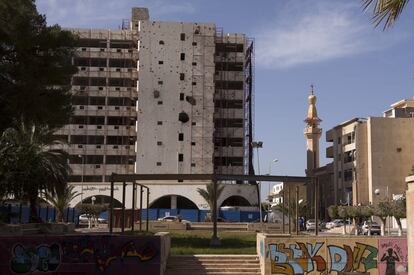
{"x":135,"y":178}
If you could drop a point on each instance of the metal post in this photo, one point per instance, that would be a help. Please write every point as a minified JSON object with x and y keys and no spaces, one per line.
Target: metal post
{"x":289,"y":217}
{"x":73,"y":215}
{"x":140,"y":207}
{"x":111,"y":209}
{"x":214,"y":239}
{"x":20,"y":213}
{"x":47,"y":213}
{"x":67,"y":215}
{"x":123,"y":207}
{"x":297,"y":209}
{"x":134,"y":189}
{"x":283,"y":209}
{"x":316,"y":207}
{"x":148,"y":192}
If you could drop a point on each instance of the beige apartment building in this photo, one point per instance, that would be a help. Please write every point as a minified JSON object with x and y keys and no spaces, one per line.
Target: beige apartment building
{"x":372,"y":157}
{"x":161,"y":97}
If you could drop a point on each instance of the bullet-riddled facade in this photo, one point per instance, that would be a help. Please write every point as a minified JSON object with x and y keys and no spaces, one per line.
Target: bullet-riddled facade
{"x":159,"y":97}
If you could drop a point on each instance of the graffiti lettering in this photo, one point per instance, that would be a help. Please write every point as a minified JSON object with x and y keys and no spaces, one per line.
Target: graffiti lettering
{"x":301,"y":258}
{"x":31,"y":259}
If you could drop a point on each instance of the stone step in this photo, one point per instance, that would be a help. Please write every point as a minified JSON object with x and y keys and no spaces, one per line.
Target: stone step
{"x":213,"y":264}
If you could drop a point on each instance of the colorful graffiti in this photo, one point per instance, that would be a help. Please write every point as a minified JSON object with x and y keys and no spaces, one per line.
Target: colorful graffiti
{"x":41,"y":258}
{"x":81,"y":254}
{"x":337,"y":256}
{"x":103,"y":252}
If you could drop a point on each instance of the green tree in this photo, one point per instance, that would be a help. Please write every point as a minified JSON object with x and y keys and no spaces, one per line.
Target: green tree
{"x":333,"y":211}
{"x":344,"y":213}
{"x":208,"y":193}
{"x":92,"y":211}
{"x":60,"y":197}
{"x":382,"y":210}
{"x":35,"y":67}
{"x":385,"y":10}
{"x":29,"y":164}
{"x":399,"y":211}
{"x":290,"y":210}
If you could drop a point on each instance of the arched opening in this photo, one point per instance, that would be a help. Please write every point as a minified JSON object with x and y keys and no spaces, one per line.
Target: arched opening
{"x":235,"y":201}
{"x":165,"y":202}
{"x":101,"y":200}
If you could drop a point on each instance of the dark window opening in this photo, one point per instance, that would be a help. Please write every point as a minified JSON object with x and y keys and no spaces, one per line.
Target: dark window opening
{"x":160,"y":82}
{"x":181,"y":96}
{"x":180,"y":136}
{"x":182,"y":36}
{"x":161,"y":42}
{"x":159,"y":142}
{"x":194,"y":63}
{"x":193,"y":143}
{"x":159,"y":122}
{"x":180,"y":157}
{"x":228,"y":123}
{"x":229,"y":47}
{"x":182,"y":56}
{"x":159,"y":102}
{"x":182,"y":76}
{"x":159,"y":163}
{"x":160,"y":62}
{"x":194,"y":43}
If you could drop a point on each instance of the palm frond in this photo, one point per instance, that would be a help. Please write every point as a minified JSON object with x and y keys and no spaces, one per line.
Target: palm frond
{"x":385,"y":10}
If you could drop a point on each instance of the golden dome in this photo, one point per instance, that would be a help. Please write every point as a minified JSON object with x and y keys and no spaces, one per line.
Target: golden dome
{"x":312,"y":118}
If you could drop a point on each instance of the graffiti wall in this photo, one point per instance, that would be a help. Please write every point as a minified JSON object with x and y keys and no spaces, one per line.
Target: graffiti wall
{"x":80,"y":254}
{"x":382,"y":256}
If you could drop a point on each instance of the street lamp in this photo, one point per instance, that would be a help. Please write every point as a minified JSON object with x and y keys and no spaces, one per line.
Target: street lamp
{"x":257,"y":145}
{"x":83,"y":167}
{"x":270,"y":165}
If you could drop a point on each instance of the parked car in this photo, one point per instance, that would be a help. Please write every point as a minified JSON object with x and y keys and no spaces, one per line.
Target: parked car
{"x":169,"y":219}
{"x":375,"y":228}
{"x":311,"y":225}
{"x":334,"y":223}
{"x":84,"y":219}
{"x":172,"y":219}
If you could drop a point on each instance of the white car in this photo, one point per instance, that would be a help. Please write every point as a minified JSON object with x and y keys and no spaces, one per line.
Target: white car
{"x":334,"y":223}
{"x":84,"y":219}
{"x":169,"y":219}
{"x":375,"y":228}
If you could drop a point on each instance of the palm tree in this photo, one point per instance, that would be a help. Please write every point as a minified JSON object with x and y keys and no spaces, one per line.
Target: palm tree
{"x":208,"y":193}
{"x":28,"y":164}
{"x":61,"y":197}
{"x":388,"y":10}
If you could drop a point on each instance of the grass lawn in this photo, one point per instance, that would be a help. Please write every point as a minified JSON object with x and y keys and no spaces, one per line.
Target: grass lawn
{"x":198,"y":242}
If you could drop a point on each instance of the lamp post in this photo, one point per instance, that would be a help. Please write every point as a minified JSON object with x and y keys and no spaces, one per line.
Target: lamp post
{"x":378,"y":192}
{"x":270,"y":165}
{"x":83,"y":168}
{"x":257,"y":145}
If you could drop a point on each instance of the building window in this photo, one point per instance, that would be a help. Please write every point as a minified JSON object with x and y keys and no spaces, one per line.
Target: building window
{"x":194,"y":43}
{"x":160,"y":82}
{"x":159,"y":143}
{"x":181,"y":96}
{"x":180,"y":137}
{"x":159,"y":163}
{"x":159,"y":122}
{"x":180,"y":157}
{"x":194,"y":63}
{"x":159,"y":102}
{"x":182,"y":36}
{"x":160,"y":62}
{"x":193,"y":143}
{"x":161,"y":42}
{"x":182,"y":56}
{"x":193,"y":164}
{"x":194,"y":83}
{"x":339,"y":140}
{"x":182,"y":76}
{"x":194,"y":123}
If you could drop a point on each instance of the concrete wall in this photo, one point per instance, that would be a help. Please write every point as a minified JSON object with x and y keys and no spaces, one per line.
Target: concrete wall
{"x":84,"y":254}
{"x":391,"y":150}
{"x":331,"y":255}
{"x":410,"y":220}
{"x":198,"y":69}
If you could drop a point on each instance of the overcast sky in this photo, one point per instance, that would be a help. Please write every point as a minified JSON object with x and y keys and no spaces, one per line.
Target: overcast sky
{"x":357,"y":70}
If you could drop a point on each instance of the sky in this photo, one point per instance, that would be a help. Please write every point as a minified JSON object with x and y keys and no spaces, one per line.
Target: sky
{"x":357,"y":70}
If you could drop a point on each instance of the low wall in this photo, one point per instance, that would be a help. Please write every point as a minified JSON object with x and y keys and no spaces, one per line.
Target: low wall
{"x":84,"y":254}
{"x":332,"y":255}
